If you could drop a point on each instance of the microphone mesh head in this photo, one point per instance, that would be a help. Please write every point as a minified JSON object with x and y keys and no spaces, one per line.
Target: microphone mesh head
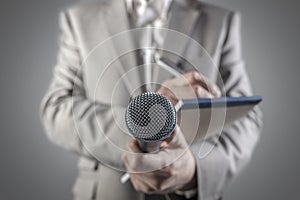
{"x":150,"y":117}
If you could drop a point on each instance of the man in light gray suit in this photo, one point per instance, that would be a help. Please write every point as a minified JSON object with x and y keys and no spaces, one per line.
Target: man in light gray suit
{"x":78,"y":113}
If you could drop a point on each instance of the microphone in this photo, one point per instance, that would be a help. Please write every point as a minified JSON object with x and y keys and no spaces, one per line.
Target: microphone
{"x":150,"y":118}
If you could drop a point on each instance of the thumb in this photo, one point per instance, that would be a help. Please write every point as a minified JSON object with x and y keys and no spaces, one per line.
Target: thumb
{"x":178,"y":140}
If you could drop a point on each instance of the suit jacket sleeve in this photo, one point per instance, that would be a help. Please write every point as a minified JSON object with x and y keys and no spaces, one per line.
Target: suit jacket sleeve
{"x":232,"y":150}
{"x":70,"y":118}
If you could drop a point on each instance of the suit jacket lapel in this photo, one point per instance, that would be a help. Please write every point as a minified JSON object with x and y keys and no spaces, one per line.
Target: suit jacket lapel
{"x":182,"y":19}
{"x":118,"y":25}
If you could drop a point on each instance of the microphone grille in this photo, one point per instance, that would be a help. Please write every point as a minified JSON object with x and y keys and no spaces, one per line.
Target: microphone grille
{"x":150,"y":117}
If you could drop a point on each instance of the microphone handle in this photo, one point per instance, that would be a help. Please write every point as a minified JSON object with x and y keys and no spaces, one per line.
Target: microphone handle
{"x":149,"y":147}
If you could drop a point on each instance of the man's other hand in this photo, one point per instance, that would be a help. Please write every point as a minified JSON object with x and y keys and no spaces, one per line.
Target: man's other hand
{"x":187,"y":86}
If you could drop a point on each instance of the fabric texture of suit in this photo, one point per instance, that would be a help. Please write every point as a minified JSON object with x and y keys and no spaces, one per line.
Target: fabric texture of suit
{"x":75,"y":103}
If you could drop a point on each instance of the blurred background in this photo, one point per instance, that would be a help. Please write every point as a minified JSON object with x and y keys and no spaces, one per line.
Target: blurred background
{"x":33,"y":168}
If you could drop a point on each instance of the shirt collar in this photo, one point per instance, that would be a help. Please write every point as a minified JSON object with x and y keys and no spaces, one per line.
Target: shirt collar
{"x":145,"y":12}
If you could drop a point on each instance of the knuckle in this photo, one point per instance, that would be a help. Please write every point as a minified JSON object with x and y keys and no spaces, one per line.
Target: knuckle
{"x":170,"y":171}
{"x":217,"y":91}
{"x":196,"y":76}
{"x":197,"y":89}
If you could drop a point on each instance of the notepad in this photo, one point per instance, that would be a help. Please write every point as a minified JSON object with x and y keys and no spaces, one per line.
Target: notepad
{"x":204,"y":118}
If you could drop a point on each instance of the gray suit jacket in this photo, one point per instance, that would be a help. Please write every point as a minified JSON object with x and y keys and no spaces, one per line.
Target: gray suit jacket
{"x":77,"y":112}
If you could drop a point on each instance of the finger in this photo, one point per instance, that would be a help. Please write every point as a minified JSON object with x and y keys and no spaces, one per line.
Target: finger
{"x":186,"y":92}
{"x":139,"y":184}
{"x":181,"y":87}
{"x":210,"y":87}
{"x":186,"y":79}
{"x":174,"y":93}
{"x":168,"y":140}
{"x":202,"y":93}
{"x":133,"y":146}
{"x":168,"y":185}
{"x":167,"y":92}
{"x":178,"y":140}
{"x":132,"y":158}
{"x":195,"y":78}
{"x":150,"y":182}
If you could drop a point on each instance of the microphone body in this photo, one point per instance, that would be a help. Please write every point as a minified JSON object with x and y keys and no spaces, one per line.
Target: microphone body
{"x":149,"y":147}
{"x":150,"y":118}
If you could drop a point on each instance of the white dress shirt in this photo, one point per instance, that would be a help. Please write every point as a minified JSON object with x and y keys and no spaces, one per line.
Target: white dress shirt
{"x":151,"y":15}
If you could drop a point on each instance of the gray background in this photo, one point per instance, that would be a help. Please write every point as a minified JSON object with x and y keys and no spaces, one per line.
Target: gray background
{"x":32,"y":168}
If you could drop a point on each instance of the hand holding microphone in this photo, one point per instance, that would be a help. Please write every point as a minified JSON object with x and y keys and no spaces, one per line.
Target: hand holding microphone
{"x":189,"y":86}
{"x":173,"y":166}
{"x":170,"y":169}
{"x":151,"y":119}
